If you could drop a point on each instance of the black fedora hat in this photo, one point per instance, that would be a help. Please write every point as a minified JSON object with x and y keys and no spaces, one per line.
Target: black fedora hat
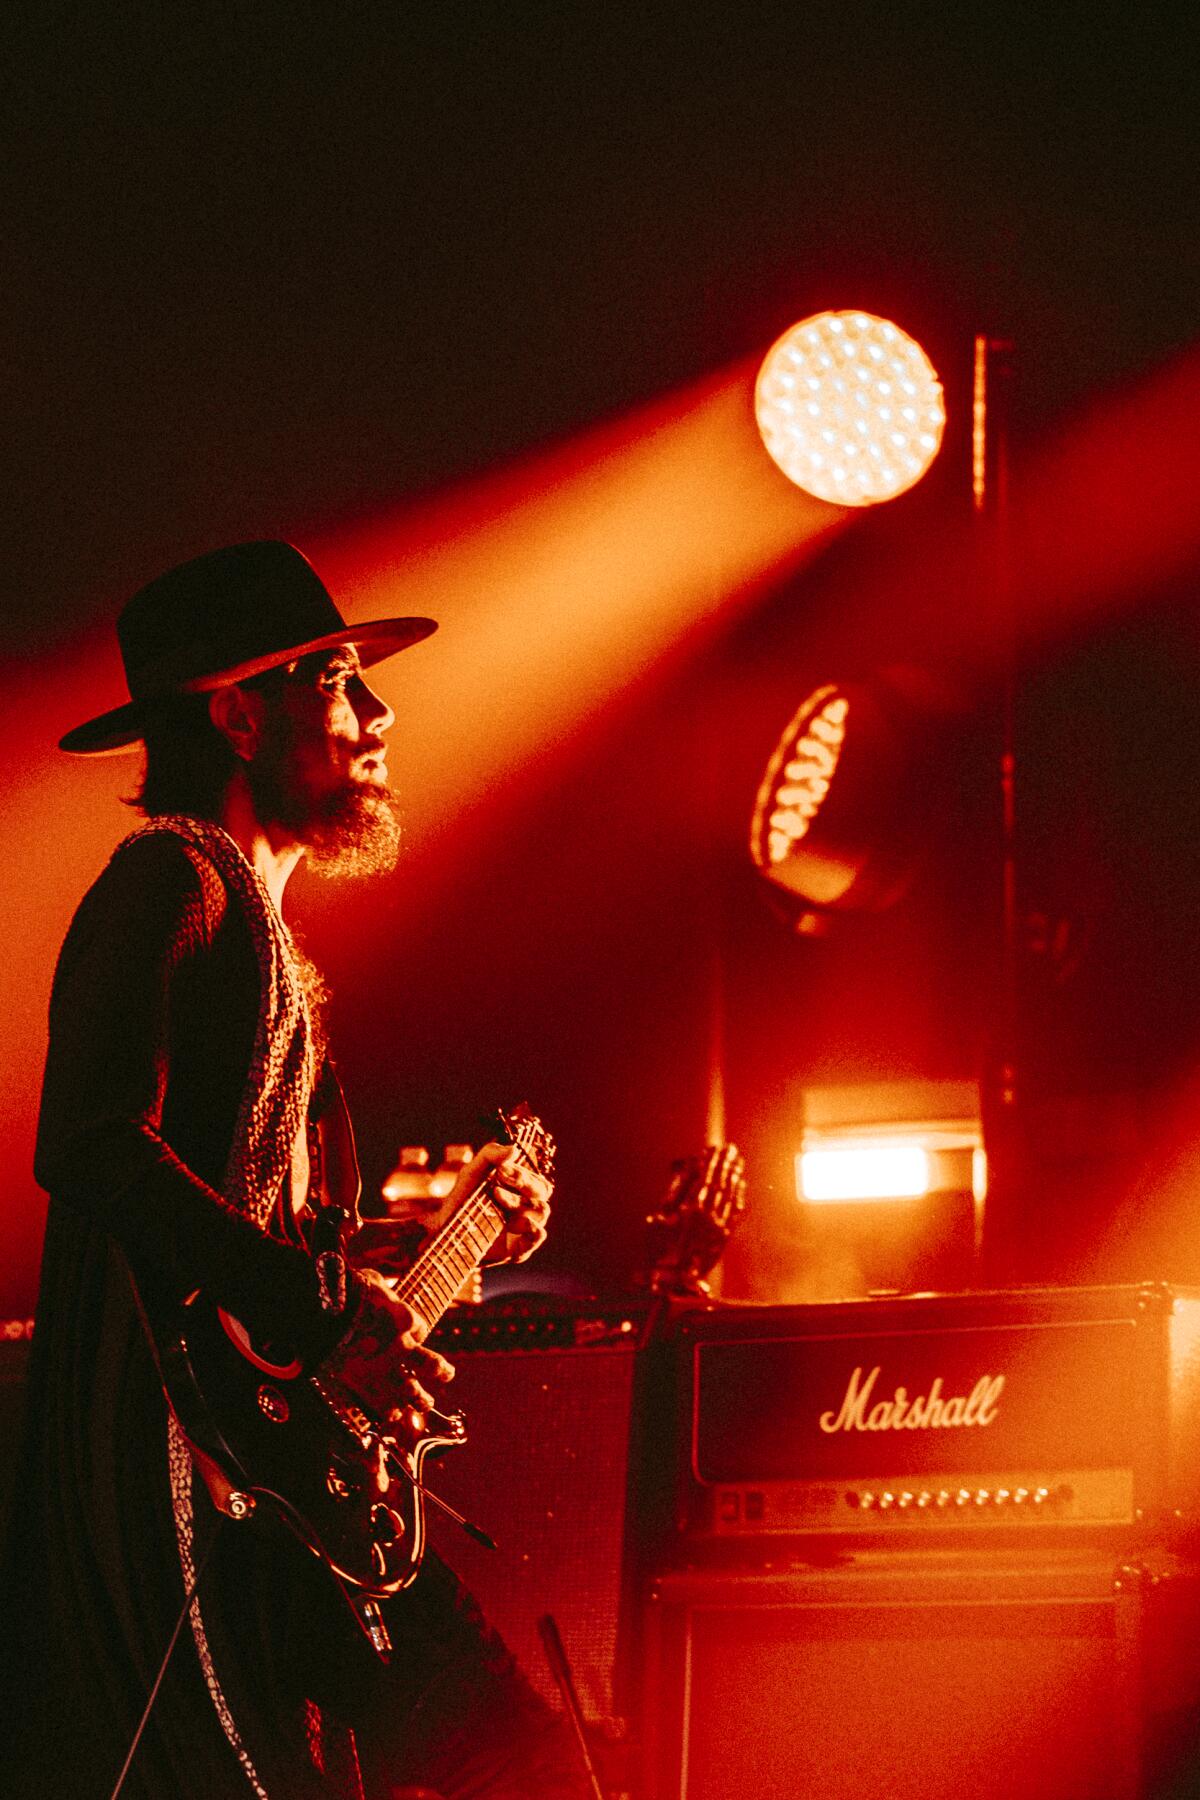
{"x":221,"y":618}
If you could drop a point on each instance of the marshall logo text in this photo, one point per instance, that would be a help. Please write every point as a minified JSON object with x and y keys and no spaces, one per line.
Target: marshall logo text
{"x":928,"y":1412}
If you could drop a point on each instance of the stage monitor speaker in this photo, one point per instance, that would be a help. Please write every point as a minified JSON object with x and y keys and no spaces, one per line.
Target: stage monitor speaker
{"x":550,"y":1472}
{"x":925,"y":1677}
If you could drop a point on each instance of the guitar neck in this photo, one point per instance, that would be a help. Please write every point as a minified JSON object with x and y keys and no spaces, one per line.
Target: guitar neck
{"x":437,"y":1276}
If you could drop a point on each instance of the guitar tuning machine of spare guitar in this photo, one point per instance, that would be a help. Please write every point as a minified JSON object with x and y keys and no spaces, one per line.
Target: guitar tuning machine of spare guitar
{"x":240,"y":1505}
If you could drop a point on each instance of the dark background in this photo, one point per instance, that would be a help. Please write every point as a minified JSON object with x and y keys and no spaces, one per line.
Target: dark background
{"x":289,"y":271}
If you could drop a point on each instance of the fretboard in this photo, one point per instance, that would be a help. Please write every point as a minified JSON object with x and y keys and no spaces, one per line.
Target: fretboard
{"x":437,"y":1276}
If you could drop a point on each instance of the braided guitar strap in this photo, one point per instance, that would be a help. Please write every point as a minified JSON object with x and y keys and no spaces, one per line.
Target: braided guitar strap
{"x":273,"y":1112}
{"x":280,"y":1078}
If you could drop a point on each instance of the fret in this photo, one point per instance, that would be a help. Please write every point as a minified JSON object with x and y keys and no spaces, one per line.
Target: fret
{"x":438,"y":1276}
{"x":439,"y":1289}
{"x":440,"y":1272}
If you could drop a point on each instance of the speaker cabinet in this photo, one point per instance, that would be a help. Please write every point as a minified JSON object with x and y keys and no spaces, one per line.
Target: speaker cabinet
{"x":550,"y":1472}
{"x":925,"y":1677}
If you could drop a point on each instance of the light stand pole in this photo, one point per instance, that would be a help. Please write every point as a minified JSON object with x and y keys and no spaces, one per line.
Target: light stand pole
{"x":1002,"y":1096}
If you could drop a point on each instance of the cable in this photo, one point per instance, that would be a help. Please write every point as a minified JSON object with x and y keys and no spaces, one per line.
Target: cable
{"x":162,"y":1668}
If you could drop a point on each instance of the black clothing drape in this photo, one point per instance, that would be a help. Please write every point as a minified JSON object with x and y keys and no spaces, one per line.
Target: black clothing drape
{"x":153,"y":1015}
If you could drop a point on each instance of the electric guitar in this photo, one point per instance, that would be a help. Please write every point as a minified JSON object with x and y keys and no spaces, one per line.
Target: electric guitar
{"x":262,"y":1431}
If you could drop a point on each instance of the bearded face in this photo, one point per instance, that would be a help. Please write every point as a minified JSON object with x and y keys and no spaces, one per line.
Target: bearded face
{"x":320,"y":772}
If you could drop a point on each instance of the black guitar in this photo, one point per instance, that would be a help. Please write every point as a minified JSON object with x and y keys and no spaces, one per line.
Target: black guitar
{"x":262,"y":1431}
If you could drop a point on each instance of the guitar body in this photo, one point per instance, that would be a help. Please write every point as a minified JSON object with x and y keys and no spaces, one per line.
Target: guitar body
{"x":262,"y":1431}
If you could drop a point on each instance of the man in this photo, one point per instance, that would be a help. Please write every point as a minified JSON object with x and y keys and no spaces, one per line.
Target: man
{"x":190,"y":1133}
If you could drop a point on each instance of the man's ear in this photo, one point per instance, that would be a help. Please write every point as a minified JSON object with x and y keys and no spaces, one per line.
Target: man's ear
{"x":237,"y":714}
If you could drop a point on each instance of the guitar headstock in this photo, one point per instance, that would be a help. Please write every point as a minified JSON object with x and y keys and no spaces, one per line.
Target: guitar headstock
{"x":705,"y":1198}
{"x":523,"y":1128}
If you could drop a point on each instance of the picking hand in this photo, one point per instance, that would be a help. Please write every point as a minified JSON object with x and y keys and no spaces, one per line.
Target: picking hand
{"x":382,"y":1362}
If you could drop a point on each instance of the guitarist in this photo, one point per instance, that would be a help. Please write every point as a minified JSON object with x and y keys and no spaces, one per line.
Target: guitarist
{"x":190,"y":1129}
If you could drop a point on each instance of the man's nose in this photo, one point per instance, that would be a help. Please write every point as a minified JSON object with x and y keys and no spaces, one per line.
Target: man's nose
{"x":374,"y":713}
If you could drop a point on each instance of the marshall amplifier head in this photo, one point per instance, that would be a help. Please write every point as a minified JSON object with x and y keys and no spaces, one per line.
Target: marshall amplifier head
{"x":1072,"y":1408}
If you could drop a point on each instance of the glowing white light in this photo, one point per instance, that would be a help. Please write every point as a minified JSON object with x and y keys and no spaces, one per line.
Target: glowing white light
{"x":897,"y":1171}
{"x":798,"y":776}
{"x":818,"y":350}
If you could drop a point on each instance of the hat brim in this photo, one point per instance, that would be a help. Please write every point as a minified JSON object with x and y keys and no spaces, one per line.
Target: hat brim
{"x":121,"y":728}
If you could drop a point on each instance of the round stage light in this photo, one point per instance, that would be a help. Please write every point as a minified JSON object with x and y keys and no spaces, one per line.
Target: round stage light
{"x":797,"y":779}
{"x":850,"y":408}
{"x":852,"y":792}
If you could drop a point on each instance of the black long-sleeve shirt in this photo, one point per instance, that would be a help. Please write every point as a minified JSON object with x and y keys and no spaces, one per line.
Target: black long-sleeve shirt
{"x":153,"y":1018}
{"x":152,"y":1022}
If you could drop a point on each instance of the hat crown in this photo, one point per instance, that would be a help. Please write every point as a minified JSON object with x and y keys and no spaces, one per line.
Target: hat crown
{"x":224,"y":617}
{"x":219,"y":612}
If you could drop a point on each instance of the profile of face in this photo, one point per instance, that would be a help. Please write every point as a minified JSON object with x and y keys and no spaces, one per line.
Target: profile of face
{"x":320,"y":768}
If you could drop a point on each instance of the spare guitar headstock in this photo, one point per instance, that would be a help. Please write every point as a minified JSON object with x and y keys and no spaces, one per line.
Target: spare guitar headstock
{"x":705,"y":1198}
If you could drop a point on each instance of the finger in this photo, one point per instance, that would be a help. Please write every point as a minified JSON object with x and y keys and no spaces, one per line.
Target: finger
{"x":528,"y":1222}
{"x":527,"y":1246}
{"x":414,"y":1395}
{"x":385,"y":1260}
{"x":477,"y":1173}
{"x":493,"y":1156}
{"x":513,"y":1167}
{"x":432,"y":1363}
{"x":516,"y":1172}
{"x":433,"y":1366}
{"x":394,"y":1318}
{"x":531,"y":1195}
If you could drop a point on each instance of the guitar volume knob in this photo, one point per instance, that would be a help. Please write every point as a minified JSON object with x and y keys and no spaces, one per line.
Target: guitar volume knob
{"x":387,"y":1527}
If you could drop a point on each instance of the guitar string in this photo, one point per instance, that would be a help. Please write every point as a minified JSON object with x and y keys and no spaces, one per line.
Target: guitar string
{"x":462,"y":1226}
{"x":430,"y":1280}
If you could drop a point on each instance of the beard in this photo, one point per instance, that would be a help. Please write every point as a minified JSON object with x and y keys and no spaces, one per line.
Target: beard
{"x":354,"y":832}
{"x":349,"y":831}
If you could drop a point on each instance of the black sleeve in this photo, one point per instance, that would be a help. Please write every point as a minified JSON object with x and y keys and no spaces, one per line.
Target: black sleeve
{"x":100,"y":1147}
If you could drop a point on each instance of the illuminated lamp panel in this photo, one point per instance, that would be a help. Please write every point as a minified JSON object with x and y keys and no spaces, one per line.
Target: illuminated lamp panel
{"x":850,"y":408}
{"x":909,"y":1164}
{"x":897,"y":1171}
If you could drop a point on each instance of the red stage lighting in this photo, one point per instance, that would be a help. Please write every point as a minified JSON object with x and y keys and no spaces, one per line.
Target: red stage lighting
{"x":798,"y":777}
{"x":850,"y":408}
{"x":849,"y":794}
